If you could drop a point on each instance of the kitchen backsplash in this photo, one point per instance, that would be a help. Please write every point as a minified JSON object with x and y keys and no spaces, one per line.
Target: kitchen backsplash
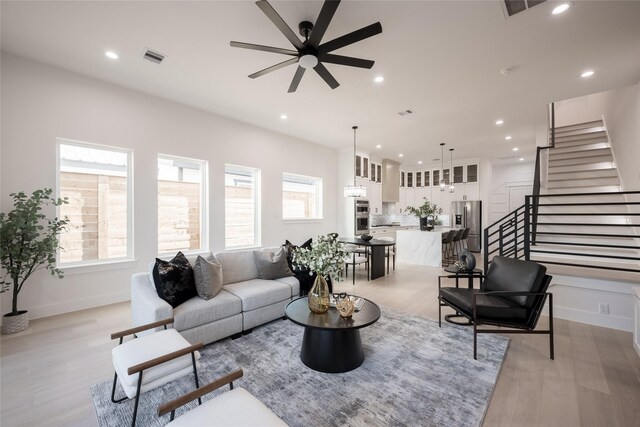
{"x":403,"y":220}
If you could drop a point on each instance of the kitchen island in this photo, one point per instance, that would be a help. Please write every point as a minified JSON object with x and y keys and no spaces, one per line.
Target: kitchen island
{"x":420,"y":247}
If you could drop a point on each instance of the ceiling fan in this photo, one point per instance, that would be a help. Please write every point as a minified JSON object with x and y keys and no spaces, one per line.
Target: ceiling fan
{"x":310,"y":53}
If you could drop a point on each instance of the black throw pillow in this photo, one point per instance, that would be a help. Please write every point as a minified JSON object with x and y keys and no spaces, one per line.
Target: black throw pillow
{"x":174,"y":280}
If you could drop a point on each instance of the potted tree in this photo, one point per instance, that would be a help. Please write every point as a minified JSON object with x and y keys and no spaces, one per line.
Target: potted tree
{"x":427,"y":211}
{"x":28,"y":242}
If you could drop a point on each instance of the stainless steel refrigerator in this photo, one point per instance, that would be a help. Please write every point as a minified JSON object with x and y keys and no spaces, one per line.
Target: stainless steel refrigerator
{"x":468,"y":214}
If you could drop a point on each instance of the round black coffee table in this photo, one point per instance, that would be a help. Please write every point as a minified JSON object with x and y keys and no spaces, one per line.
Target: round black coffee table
{"x":331,"y":343}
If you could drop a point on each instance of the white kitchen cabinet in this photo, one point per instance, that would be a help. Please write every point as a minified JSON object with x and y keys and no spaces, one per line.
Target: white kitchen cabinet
{"x":374,"y":193}
{"x":402,"y":204}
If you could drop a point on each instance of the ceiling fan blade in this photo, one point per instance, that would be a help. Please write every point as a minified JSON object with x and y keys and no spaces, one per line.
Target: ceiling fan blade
{"x":322,"y":23}
{"x":326,"y":75}
{"x":273,"y":68}
{"x":264,"y":48}
{"x":353,"y":37}
{"x":296,"y":79}
{"x":346,"y":60}
{"x":279,"y":22}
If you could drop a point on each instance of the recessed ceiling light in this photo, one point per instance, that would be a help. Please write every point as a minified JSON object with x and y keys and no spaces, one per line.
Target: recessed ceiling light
{"x":284,"y":117}
{"x":111,"y":55}
{"x":561,"y":8}
{"x":515,"y":149}
{"x":378,"y":79}
{"x":521,"y":159}
{"x":419,"y":162}
{"x":587,"y":73}
{"x":499,"y":122}
{"x":378,"y":146}
{"x":508,"y":137}
{"x":400,"y":155}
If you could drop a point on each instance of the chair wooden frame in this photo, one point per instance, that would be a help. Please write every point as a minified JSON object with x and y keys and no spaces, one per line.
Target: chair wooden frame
{"x":524,"y":328}
{"x":141,"y":367}
{"x":174,"y":404}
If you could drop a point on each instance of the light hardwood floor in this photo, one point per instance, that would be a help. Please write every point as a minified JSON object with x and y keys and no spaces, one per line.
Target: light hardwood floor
{"x":46,"y":371}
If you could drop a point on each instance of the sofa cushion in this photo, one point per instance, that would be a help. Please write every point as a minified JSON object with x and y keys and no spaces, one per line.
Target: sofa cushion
{"x":236,"y":407}
{"x":207,"y":274}
{"x":488,"y":307}
{"x":272,"y":265}
{"x":196,"y":311}
{"x":293,"y":282}
{"x":258,"y":293}
{"x":509,"y":274}
{"x":174,"y":280}
{"x":237,"y":266}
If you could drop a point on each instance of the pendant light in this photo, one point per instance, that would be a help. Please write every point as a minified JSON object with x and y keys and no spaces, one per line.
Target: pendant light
{"x":452,"y":187}
{"x":355,"y":190}
{"x":442,"y":183}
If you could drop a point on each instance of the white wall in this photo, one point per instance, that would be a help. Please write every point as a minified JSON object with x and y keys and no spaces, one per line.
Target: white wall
{"x":41,"y":103}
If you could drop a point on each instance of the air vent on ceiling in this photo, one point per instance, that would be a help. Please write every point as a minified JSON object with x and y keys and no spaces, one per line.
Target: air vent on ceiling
{"x":153,"y":56}
{"x":405,"y":112}
{"x":511,"y":7}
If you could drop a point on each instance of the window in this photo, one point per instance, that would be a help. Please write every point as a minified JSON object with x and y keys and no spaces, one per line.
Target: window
{"x":301,"y":197}
{"x":96,"y":180}
{"x":241,"y":206}
{"x":182,"y":206}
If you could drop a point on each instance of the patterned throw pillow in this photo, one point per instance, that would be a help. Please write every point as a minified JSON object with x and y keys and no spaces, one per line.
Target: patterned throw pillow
{"x":174,"y":280}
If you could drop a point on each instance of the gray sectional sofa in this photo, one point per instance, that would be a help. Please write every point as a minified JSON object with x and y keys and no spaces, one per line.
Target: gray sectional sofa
{"x":244,"y":302}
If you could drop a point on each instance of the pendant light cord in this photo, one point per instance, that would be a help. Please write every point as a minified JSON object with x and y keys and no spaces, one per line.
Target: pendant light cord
{"x":354,"y":155}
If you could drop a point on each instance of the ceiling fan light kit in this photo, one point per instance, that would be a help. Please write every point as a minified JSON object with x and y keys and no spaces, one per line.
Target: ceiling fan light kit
{"x":310,"y":53}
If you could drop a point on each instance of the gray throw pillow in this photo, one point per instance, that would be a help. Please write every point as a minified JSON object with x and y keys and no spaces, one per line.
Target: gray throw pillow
{"x":208,"y":277}
{"x":272,"y":265}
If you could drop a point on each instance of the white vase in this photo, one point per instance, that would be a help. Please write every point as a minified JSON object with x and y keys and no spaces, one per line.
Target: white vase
{"x":12,"y":324}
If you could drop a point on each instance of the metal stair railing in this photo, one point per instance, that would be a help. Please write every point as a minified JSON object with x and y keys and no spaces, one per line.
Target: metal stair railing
{"x":513,"y":235}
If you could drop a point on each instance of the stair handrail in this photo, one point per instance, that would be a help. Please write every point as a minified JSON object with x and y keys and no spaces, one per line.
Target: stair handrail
{"x":551,"y":143}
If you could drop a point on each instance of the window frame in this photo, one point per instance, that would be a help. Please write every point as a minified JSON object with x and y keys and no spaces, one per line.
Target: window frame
{"x":257,"y":238}
{"x":319,"y":199}
{"x":204,"y":204}
{"x":130,"y":204}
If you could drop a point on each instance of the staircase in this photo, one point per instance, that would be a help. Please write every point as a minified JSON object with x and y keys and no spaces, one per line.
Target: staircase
{"x":586,"y":219}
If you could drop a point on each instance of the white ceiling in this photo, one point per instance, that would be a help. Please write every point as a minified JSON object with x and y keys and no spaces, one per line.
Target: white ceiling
{"x":440,"y":59}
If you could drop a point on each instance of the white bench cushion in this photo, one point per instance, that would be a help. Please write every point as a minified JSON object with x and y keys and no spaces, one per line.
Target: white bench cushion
{"x":142,"y":349}
{"x":259,"y":293}
{"x":237,"y":408}
{"x":196,"y":311}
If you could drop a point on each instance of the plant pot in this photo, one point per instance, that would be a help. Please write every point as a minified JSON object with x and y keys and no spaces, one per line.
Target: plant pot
{"x":14,"y":323}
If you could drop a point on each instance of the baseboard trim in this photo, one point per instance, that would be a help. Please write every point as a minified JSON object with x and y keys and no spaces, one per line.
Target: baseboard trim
{"x":593,"y":318}
{"x":78,"y":304}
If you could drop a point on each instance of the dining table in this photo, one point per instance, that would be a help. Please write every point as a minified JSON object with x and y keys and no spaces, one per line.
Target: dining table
{"x":377,"y":253}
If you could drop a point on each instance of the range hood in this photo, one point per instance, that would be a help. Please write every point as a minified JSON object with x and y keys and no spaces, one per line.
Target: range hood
{"x":390,"y":181}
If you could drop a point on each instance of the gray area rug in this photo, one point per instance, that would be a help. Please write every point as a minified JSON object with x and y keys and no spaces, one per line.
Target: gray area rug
{"x":414,"y":374}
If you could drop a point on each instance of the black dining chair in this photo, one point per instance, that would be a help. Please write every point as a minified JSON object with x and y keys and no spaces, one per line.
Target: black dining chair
{"x":457,"y":243}
{"x":465,"y":237}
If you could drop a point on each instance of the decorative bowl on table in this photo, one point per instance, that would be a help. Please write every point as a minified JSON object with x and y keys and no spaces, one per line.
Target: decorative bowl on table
{"x":366,"y":237}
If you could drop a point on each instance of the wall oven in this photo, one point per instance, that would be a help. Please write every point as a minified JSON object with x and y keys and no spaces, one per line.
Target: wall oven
{"x":362,"y":217}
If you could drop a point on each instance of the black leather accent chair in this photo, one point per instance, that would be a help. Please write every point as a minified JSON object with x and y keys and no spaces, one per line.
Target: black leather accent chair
{"x":512,"y":295}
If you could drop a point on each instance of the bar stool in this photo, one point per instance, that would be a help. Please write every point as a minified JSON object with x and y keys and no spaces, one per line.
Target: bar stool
{"x":464,"y":240}
{"x":457,"y":243}
{"x":447,"y":242}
